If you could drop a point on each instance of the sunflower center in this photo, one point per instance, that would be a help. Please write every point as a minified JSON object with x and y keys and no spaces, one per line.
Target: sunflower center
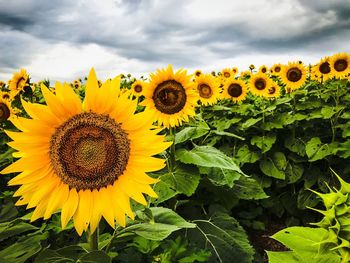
{"x":325,"y":68}
{"x":263,"y":70}
{"x":205,"y":91}
{"x":277,"y":69}
{"x":260,"y":84}
{"x":340,"y":65}
{"x":169,"y":97}
{"x":198,"y":73}
{"x":138,"y":88}
{"x":294,"y":74}
{"x":227,"y":74}
{"x":6,"y":96}
{"x":4,"y":112}
{"x":272,"y":90}
{"x":89,"y":151}
{"x":235,"y":90}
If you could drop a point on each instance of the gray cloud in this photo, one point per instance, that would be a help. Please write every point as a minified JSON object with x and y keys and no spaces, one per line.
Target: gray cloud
{"x":184,"y":33}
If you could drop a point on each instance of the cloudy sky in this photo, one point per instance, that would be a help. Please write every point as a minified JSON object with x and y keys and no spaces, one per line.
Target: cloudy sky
{"x":62,"y":39}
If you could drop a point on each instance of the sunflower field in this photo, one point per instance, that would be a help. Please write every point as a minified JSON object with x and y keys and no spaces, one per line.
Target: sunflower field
{"x":230,"y":166}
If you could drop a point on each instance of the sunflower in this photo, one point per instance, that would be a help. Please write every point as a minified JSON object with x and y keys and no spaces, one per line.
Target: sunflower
{"x":322,"y":70}
{"x":2,"y":84}
{"x":7,"y":95}
{"x":251,"y":66}
{"x":208,"y":89}
{"x":77,"y":84}
{"x":273,"y":90}
{"x":226,"y":73}
{"x":7,"y":112}
{"x":245,"y":74}
{"x":197,"y":73}
{"x":234,"y":89}
{"x":263,"y":69}
{"x":259,"y":84}
{"x":213,"y":73}
{"x":276,"y":69}
{"x":293,"y":75}
{"x":138,"y":87}
{"x":19,"y":81}
{"x":170,"y":96}
{"x":86,"y":159}
{"x":234,"y":71}
{"x":340,"y":65}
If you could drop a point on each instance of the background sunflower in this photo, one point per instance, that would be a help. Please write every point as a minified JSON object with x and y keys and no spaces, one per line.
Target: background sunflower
{"x":208,"y":89}
{"x":293,"y":75}
{"x":170,"y":97}
{"x":259,"y":83}
{"x":235,"y":89}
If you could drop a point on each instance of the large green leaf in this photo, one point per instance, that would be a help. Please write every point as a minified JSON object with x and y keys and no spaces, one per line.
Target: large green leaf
{"x":183,"y":180}
{"x":245,"y":155}
{"x":164,"y":221}
{"x":14,"y":227}
{"x":225,"y":238}
{"x":316,"y":150}
{"x":305,"y":244}
{"x":220,"y":176}
{"x":190,"y":133}
{"x":248,"y":188}
{"x":23,"y":248}
{"x":263,"y":142}
{"x":274,"y":166}
{"x":207,"y":156}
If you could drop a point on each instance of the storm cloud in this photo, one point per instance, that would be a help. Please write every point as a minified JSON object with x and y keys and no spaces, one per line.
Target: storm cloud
{"x":61,"y":40}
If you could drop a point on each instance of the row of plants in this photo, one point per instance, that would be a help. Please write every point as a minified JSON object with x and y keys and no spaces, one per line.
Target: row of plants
{"x":255,"y":155}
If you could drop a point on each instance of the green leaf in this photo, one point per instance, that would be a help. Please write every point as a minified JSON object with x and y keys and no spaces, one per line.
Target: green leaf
{"x":225,"y":238}
{"x":305,"y":245}
{"x":182,"y":180}
{"x":164,"y":192}
{"x":293,"y":172}
{"x":223,"y":123}
{"x":248,"y":188}
{"x":51,"y":256}
{"x":316,"y":150}
{"x":164,"y":222}
{"x":250,"y":122}
{"x":168,"y":216}
{"x":307,"y":199}
{"x":269,"y":167}
{"x":220,"y":176}
{"x":23,"y":249}
{"x":95,"y":257}
{"x":229,"y":134}
{"x":190,"y":133}
{"x":245,"y":155}
{"x":207,"y":156}
{"x":14,"y":227}
{"x":295,"y":145}
{"x":264,"y":142}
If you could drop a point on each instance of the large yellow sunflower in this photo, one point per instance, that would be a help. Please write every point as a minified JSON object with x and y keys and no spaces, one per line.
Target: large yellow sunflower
{"x":19,"y":81}
{"x":259,"y":84}
{"x":138,"y":87}
{"x":208,"y":89}
{"x":293,"y":75}
{"x":322,"y":70}
{"x":170,"y":96}
{"x":340,"y":65}
{"x":234,"y":89}
{"x":86,"y":159}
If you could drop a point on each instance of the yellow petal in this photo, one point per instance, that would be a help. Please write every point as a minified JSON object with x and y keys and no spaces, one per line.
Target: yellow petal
{"x":106,"y":205}
{"x":82,"y":215}
{"x":70,"y":207}
{"x":39,"y":210}
{"x":128,"y":189}
{"x":91,"y":91}
{"x":146,"y":163}
{"x":28,"y":177}
{"x":96,"y":214}
{"x":57,"y":199}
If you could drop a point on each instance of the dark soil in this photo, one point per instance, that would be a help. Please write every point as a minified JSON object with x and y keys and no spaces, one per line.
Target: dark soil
{"x":261,"y":240}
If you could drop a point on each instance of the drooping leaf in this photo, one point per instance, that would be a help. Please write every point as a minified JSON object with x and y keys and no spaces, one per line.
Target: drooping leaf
{"x":190,"y":133}
{"x":264,"y":142}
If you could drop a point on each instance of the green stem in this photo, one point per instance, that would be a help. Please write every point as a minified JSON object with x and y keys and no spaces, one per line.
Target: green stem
{"x":293,"y":113}
{"x":172,"y":150}
{"x":93,"y":239}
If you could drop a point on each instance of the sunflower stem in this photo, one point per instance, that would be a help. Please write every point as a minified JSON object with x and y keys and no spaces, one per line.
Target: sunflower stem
{"x":172,"y":150}
{"x":93,"y":239}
